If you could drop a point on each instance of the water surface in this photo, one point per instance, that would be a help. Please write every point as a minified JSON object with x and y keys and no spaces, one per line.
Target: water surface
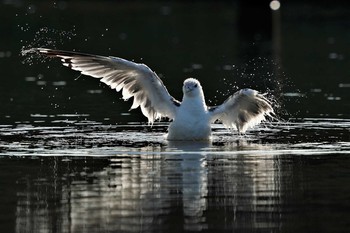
{"x":92,"y":177}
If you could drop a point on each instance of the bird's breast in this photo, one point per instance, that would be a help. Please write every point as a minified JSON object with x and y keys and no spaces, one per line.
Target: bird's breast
{"x":190,"y":124}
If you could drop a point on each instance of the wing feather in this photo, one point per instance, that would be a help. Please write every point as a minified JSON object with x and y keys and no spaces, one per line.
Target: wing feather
{"x":135,"y":80}
{"x":242,"y":110}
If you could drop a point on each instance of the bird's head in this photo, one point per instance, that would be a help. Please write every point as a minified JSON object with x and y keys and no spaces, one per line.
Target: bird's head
{"x":192,"y":88}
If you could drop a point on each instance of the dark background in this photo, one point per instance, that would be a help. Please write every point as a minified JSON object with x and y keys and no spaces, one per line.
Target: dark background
{"x":299,"y":54}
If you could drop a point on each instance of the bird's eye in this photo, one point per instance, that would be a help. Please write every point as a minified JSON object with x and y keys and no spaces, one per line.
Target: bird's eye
{"x":196,"y":85}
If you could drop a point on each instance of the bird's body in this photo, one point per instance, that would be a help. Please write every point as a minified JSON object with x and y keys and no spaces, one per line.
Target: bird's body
{"x":190,"y":125}
{"x":191,"y":118}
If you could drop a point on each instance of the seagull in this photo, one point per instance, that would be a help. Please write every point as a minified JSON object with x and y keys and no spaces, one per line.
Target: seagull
{"x":191,"y":118}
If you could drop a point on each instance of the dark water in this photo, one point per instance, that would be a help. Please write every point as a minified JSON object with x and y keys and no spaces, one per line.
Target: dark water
{"x":74,"y":159}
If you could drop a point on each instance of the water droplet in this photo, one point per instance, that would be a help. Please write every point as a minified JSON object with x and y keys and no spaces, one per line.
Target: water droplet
{"x":344,"y":85}
{"x":333,"y":56}
{"x":41,"y":83}
{"x":165,"y":10}
{"x":197,"y":66}
{"x":316,"y":90}
{"x":31,"y":9}
{"x":123,"y":36}
{"x":30,"y":79}
{"x":59,"y":83}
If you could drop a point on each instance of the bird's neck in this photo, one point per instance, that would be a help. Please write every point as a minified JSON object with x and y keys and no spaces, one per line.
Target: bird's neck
{"x":196,"y":103}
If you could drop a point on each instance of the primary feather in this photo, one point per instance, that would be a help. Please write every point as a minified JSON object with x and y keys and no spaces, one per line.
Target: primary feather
{"x":242,"y":110}
{"x":135,"y":80}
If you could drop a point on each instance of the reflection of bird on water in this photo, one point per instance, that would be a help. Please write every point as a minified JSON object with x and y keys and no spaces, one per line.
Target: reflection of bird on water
{"x":192,"y":118}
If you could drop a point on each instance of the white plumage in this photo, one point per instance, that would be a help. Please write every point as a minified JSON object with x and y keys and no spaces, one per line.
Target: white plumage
{"x":191,"y":118}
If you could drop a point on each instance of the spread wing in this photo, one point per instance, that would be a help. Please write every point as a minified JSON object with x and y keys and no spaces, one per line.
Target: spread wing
{"x":245,"y":108}
{"x":135,"y":80}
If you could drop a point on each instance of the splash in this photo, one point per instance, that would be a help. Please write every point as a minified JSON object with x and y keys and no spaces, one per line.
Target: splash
{"x":262,"y":74}
{"x":44,"y":37}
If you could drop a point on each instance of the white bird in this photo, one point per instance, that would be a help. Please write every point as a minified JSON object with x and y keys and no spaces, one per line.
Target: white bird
{"x":191,"y":118}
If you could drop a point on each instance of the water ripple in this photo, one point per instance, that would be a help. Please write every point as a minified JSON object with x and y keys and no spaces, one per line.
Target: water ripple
{"x":87,"y":138}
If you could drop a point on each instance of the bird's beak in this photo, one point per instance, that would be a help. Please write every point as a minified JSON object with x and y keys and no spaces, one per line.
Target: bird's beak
{"x":188,"y":89}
